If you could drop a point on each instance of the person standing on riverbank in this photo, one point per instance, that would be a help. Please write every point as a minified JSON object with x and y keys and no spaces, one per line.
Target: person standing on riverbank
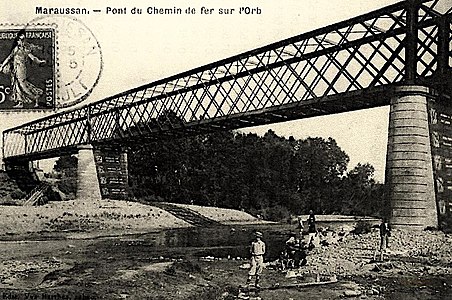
{"x":257,"y":251}
{"x":385,"y":233}
{"x":300,"y":227}
{"x":311,"y":228}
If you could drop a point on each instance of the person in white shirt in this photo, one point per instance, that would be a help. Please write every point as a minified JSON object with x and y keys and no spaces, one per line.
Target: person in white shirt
{"x":257,"y":251}
{"x":300,"y":227}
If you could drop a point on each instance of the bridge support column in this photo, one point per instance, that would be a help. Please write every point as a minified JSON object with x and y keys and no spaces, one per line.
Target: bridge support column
{"x":409,"y":172}
{"x":112,"y":169}
{"x":87,"y":182}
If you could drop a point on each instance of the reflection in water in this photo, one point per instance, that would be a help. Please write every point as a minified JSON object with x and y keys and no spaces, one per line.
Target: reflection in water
{"x":219,"y":242}
{"x":223,"y":241}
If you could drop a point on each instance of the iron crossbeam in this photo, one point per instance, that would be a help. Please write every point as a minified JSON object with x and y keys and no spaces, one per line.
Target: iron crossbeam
{"x":234,"y":60}
{"x":385,"y":47}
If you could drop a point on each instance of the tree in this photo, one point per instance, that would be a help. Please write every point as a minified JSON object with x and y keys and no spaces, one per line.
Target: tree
{"x":67,"y":167}
{"x":322,"y":163}
{"x":361,"y":194}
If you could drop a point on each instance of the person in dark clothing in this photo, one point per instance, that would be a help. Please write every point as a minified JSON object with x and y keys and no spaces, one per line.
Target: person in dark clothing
{"x":295,"y":252}
{"x":300,"y":255}
{"x":385,"y":233}
{"x":311,"y":227}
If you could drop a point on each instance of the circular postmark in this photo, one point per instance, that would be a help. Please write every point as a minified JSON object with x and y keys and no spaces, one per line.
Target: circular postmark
{"x":78,"y":62}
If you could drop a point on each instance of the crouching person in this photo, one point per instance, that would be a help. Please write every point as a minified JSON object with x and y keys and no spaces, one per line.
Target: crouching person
{"x":257,"y":259}
{"x":300,"y":256}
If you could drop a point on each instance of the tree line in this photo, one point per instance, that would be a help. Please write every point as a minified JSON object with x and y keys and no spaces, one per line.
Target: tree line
{"x":268,"y":175}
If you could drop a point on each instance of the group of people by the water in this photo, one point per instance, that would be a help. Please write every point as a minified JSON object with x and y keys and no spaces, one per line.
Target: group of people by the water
{"x":294,"y":255}
{"x":299,"y":244}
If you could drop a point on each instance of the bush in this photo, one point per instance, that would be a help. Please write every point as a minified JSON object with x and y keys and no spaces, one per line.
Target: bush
{"x":9,"y":202}
{"x":52,"y":194}
{"x":430,"y":228}
{"x":185,"y":267}
{"x":362,"y":227}
{"x":145,"y":199}
{"x":18,"y":194}
{"x":275,"y":213}
{"x":68,"y":185}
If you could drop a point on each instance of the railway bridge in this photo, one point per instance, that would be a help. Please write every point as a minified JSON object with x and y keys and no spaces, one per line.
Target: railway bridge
{"x":399,"y":55}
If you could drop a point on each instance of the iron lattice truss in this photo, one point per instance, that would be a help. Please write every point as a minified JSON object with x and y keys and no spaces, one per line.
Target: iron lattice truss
{"x":345,"y":66}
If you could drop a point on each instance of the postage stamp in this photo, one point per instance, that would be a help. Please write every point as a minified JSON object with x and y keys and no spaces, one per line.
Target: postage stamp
{"x":51,"y":62}
{"x":27,"y":68}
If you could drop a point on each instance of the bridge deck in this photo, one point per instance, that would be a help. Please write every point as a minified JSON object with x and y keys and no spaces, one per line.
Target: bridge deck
{"x":318,"y":107}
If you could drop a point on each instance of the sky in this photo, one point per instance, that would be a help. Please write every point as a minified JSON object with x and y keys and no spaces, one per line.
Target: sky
{"x":139,"y":49}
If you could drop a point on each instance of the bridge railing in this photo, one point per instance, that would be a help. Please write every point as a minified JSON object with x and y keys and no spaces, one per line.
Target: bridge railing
{"x":362,"y":53}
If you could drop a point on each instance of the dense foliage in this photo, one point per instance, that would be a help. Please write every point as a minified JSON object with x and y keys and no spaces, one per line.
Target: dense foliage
{"x":66,"y":171}
{"x":269,"y":175}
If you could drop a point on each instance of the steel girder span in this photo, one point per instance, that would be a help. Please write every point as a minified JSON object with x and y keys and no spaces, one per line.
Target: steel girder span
{"x":350,"y":65}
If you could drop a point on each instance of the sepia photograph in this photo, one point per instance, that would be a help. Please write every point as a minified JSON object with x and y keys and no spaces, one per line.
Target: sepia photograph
{"x":222,"y":150}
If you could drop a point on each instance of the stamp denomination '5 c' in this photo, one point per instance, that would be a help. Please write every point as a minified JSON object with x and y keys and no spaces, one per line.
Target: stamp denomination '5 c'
{"x":27,"y":68}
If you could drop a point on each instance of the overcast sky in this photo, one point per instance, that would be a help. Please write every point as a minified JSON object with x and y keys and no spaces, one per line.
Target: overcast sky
{"x":138,"y":49}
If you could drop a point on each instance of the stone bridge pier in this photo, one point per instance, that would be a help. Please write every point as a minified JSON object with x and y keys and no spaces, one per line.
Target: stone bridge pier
{"x":419,"y":159}
{"x":87,"y":180}
{"x":102,"y":172}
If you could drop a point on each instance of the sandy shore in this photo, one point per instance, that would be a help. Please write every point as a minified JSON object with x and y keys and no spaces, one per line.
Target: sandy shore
{"x":416,"y":266}
{"x":104,"y":217}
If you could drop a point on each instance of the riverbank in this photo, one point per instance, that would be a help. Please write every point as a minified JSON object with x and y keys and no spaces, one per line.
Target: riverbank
{"x":126,"y":250}
{"x":212,"y":264}
{"x":82,"y":219}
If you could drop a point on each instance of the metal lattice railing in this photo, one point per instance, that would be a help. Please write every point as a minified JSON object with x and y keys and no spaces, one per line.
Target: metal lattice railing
{"x":370,"y":51}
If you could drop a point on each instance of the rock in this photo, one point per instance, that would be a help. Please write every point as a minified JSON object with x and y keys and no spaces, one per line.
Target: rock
{"x":352,"y":293}
{"x":373,"y":291}
{"x":376,"y":268}
{"x":291,"y":274}
{"x":210,"y":277}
